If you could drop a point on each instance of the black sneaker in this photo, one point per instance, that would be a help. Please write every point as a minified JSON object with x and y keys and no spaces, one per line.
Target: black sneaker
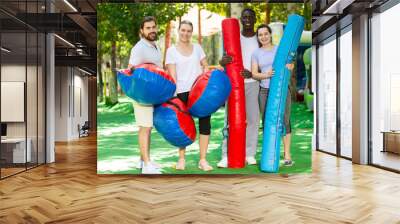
{"x":288,"y":162}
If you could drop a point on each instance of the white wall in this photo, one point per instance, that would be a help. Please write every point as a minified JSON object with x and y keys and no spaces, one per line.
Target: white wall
{"x":12,"y":101}
{"x":13,"y":73}
{"x":61,"y":103}
{"x":71,"y":94}
{"x":81,"y":89}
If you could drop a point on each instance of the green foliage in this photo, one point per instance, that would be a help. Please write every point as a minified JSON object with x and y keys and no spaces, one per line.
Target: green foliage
{"x":219,"y":8}
{"x":121,"y":22}
{"x":281,"y":11}
{"x":211,"y":46}
{"x":124,"y":50}
{"x":118,"y":25}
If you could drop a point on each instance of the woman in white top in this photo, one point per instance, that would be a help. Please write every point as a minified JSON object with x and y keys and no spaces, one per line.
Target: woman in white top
{"x":185,"y":62}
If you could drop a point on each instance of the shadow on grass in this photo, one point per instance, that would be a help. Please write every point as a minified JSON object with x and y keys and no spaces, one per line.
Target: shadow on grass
{"x":118,"y":150}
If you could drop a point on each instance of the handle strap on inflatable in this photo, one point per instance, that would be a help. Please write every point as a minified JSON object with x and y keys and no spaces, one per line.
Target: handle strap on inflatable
{"x":176,"y":106}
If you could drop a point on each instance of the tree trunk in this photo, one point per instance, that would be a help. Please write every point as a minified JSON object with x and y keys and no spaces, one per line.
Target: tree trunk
{"x":99,"y":73}
{"x":214,"y":59}
{"x":199,"y":18}
{"x":307,"y":11}
{"x":228,"y":10}
{"x":113,"y":76}
{"x":105,"y":86}
{"x":290,"y":7}
{"x":268,"y":13}
{"x":119,"y":66}
{"x":167,"y":42}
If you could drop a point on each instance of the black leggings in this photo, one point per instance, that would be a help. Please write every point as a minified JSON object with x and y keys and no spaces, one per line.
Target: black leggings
{"x":204,"y":122}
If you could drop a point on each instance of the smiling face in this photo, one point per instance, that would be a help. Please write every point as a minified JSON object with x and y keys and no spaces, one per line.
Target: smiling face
{"x":264,"y":36}
{"x":248,"y":19}
{"x":149,"y":31}
{"x":185,"y":32}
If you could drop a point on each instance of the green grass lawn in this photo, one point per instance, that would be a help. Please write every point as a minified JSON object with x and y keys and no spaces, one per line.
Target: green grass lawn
{"x":118,"y":153}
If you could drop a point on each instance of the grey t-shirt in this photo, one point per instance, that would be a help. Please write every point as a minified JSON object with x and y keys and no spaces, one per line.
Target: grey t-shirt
{"x":264,"y":58}
{"x":145,"y":52}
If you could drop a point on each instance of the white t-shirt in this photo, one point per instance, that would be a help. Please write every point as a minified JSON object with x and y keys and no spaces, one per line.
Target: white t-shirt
{"x":145,"y":52}
{"x":188,"y":68}
{"x":249,"y":45}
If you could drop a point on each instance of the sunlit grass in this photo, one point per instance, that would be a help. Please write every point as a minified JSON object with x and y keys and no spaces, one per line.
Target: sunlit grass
{"x":118,"y":151}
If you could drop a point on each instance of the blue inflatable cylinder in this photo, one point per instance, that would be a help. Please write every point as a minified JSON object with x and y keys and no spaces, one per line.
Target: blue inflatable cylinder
{"x":278,"y":89}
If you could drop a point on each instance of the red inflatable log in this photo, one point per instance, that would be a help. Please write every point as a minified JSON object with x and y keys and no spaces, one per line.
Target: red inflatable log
{"x":236,"y":100}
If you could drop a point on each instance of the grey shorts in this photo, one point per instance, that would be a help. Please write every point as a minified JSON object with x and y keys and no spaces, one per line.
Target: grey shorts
{"x":263,"y":97}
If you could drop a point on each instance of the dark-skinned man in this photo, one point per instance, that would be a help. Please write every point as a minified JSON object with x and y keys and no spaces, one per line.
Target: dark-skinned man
{"x":248,"y":42}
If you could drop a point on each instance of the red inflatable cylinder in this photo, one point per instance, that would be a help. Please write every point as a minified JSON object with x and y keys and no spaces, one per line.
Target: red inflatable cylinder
{"x":236,"y":100}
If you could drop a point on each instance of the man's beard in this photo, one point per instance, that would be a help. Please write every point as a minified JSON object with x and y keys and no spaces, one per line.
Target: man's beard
{"x":151,"y":37}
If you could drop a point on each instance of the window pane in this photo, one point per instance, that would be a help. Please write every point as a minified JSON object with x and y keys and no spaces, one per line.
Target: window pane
{"x":346,"y":94}
{"x":385,"y":88}
{"x":327,"y":96}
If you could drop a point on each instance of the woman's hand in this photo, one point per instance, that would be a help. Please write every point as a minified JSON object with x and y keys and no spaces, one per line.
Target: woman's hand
{"x":204,"y":64}
{"x":171,"y":69}
{"x":290,"y":66}
{"x":269,"y":73}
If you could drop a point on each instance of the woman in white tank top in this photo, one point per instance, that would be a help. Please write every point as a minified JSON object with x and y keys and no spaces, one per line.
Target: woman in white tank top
{"x":185,"y":62}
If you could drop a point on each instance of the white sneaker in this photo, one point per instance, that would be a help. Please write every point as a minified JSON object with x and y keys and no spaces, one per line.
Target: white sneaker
{"x":251,"y":161}
{"x":150,"y":169}
{"x":158,"y":166}
{"x":223,"y":163}
{"x":139,"y":165}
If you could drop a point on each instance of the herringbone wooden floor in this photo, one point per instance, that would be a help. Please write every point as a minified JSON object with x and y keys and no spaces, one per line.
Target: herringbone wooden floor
{"x":70,"y":191}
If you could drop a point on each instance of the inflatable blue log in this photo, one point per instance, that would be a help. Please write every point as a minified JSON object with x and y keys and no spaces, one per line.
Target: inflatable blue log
{"x":277,"y":94}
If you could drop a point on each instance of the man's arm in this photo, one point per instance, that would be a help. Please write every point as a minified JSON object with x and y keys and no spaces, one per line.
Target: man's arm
{"x":134,"y":58}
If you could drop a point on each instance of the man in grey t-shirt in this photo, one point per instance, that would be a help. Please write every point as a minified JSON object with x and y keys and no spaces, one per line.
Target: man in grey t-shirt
{"x":145,"y":51}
